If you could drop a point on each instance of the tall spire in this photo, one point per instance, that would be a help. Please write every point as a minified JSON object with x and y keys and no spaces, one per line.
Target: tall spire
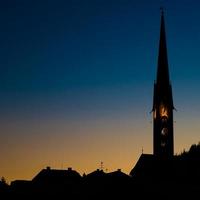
{"x":163,"y":102}
{"x":163,"y":71}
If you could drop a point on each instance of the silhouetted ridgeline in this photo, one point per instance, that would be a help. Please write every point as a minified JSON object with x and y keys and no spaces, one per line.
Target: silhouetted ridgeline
{"x":194,"y":152}
{"x":152,"y":177}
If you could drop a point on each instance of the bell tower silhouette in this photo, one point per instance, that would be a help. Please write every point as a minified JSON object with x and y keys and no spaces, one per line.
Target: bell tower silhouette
{"x":159,"y":164}
{"x":163,"y":141}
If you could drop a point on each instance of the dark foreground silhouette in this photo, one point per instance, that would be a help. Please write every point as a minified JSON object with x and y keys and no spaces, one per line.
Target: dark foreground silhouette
{"x":158,"y":176}
{"x":151,"y":178}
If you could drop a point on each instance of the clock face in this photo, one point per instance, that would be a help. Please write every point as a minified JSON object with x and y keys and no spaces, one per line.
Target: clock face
{"x":164,"y":131}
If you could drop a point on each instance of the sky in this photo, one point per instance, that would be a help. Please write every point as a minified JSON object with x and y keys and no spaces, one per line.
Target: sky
{"x":76,"y":82}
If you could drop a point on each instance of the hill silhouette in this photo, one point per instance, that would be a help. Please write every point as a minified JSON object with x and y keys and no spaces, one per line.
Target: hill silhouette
{"x":194,"y":152}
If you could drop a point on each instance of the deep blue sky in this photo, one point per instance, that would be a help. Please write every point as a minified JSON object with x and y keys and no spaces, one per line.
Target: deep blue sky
{"x":79,"y":47}
{"x":86,"y":68}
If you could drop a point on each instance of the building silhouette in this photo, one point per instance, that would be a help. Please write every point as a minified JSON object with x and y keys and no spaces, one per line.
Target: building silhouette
{"x":163,"y":144}
{"x":159,"y":163}
{"x":163,"y":166}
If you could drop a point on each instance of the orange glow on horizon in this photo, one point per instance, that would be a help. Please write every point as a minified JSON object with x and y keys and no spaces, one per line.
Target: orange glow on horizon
{"x":82,"y":145}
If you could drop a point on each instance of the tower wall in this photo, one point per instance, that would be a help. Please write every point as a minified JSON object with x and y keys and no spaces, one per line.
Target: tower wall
{"x":163,"y":131}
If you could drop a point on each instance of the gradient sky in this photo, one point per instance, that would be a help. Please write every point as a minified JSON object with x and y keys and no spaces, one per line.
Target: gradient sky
{"x":77,"y":79}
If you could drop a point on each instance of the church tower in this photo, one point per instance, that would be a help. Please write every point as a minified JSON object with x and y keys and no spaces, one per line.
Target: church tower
{"x":163,"y":141}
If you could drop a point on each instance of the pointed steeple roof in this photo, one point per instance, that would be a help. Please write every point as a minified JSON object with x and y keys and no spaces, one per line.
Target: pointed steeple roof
{"x":163,"y":71}
{"x":162,"y":85}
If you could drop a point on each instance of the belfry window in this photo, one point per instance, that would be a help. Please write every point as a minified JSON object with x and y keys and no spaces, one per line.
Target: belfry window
{"x":163,"y":111}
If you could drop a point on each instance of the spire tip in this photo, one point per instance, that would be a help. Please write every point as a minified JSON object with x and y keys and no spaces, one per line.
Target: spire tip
{"x":162,"y":10}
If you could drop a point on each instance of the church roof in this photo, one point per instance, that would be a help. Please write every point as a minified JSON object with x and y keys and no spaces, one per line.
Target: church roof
{"x":162,"y":85}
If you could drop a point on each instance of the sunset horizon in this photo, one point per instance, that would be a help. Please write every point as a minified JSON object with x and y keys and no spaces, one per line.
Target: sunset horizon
{"x":77,"y":82}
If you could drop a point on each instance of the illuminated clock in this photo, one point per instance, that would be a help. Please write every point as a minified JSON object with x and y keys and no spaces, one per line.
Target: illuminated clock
{"x":164,"y":131}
